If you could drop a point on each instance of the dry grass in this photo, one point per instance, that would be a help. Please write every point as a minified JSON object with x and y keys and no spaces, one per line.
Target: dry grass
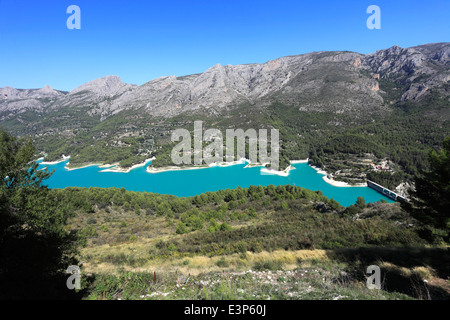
{"x":196,"y":264}
{"x":421,"y":271}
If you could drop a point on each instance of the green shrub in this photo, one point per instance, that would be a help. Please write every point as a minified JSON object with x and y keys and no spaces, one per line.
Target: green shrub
{"x":222,"y":262}
{"x":272,"y":265}
{"x":181,"y":228}
{"x":225,"y":227}
{"x":91,"y":220}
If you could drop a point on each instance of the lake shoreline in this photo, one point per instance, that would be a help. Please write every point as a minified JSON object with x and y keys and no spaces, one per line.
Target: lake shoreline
{"x":215,"y":164}
{"x":87,"y":166}
{"x":186,"y":183}
{"x":335,"y":183}
{"x":285,"y":173}
{"x":53,"y":162}
{"x":117,"y":168}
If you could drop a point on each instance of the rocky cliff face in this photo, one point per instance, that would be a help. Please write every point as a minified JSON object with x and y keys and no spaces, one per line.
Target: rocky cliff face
{"x":320,"y":81}
{"x":420,"y":68}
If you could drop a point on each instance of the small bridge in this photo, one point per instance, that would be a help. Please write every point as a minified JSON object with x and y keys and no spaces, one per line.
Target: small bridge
{"x":385,"y":191}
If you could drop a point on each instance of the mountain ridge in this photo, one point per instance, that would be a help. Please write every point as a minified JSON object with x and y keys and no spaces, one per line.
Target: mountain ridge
{"x":300,"y":80}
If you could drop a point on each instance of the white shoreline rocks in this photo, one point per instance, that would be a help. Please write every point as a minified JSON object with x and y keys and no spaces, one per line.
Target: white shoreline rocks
{"x":54,"y":162}
{"x":335,"y":183}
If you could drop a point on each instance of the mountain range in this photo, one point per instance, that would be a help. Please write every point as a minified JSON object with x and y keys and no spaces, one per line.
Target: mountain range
{"x":317,"y":81}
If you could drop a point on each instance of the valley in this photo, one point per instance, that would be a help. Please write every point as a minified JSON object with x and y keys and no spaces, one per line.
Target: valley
{"x":338,"y":109}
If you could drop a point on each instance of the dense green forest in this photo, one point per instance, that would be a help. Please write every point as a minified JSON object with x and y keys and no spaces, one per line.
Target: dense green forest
{"x":339,"y":143}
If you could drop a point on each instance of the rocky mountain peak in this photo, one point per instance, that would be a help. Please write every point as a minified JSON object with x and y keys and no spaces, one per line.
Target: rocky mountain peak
{"x":46,"y":91}
{"x":105,"y":86}
{"x":46,"y":88}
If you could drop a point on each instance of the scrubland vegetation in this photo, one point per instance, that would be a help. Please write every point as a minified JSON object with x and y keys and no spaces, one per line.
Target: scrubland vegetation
{"x":274,"y":242}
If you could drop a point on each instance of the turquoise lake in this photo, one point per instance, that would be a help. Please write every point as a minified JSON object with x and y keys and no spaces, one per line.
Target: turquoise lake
{"x":186,"y":183}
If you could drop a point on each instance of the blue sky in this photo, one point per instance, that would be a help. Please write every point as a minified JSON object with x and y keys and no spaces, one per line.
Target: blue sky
{"x":140,"y":40}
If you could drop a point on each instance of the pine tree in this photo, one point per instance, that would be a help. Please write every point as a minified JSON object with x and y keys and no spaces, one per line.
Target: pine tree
{"x":430,"y":200}
{"x":35,"y":248}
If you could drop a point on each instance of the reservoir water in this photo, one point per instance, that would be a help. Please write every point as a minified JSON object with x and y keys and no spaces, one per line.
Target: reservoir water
{"x":185,"y":183}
